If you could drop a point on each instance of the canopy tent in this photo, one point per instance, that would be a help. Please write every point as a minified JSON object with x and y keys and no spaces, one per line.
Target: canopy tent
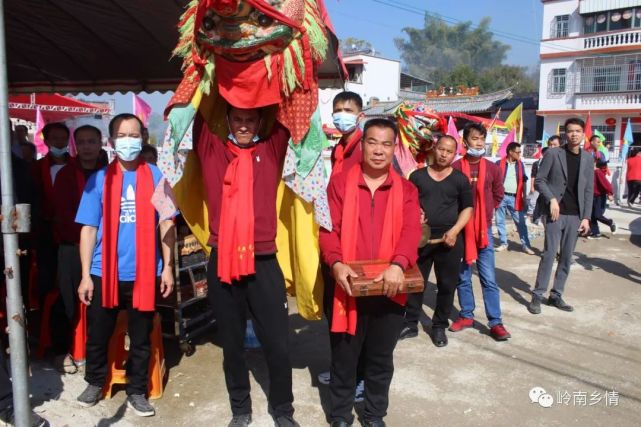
{"x":72,"y":46}
{"x":54,"y":107}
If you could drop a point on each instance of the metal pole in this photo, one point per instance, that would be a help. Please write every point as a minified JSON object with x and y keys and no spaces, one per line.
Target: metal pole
{"x":15,"y":311}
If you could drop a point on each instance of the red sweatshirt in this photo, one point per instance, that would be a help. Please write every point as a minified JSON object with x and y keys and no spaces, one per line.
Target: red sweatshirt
{"x":370,"y":223}
{"x":601,"y":184}
{"x":494,"y":190}
{"x":268,"y":163}
{"x":634,"y":169}
{"x":353,"y":156}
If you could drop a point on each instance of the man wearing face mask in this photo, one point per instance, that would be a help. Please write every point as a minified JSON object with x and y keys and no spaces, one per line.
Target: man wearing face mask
{"x":241,"y":175}
{"x":487,"y":193}
{"x":347,"y":115}
{"x":120,"y":254}
{"x":45,"y":171}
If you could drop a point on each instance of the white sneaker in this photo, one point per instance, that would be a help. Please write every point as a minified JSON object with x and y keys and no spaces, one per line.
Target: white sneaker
{"x":324,"y":378}
{"x":528,"y":250}
{"x":500,"y":248}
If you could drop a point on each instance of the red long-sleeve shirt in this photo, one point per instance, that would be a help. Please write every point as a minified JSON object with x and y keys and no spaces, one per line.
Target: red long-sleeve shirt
{"x":370,"y":222}
{"x":601,"y":184}
{"x":494,"y":190}
{"x":353,"y":156}
{"x":268,"y":163}
{"x":634,"y":168}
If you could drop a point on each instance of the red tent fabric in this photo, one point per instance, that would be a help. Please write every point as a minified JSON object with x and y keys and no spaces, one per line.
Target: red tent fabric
{"x":54,"y":107}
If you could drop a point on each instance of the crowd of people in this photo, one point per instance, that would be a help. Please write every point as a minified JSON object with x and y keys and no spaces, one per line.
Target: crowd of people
{"x":100,"y":243}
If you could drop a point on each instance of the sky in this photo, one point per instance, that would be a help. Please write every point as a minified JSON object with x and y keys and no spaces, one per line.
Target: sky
{"x":514,"y":22}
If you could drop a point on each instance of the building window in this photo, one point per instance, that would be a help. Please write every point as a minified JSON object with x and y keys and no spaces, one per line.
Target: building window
{"x":607,"y":131}
{"x":558,"y":80}
{"x":606,"y":79}
{"x":613,"y":20}
{"x":355,"y":72}
{"x":560,"y":26}
{"x":634,"y":75}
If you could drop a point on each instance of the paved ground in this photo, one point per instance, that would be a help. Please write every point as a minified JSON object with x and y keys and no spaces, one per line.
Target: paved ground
{"x":575,"y":357}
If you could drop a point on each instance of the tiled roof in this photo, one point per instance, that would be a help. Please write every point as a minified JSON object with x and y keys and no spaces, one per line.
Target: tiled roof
{"x":449,"y":104}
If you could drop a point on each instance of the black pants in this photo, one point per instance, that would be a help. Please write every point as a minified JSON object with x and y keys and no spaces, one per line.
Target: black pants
{"x":328,"y":308}
{"x":47,"y":259}
{"x":379,"y":322}
{"x":64,"y":310}
{"x":447,"y":264}
{"x":634,"y":188}
{"x":263,"y":295}
{"x":598,"y":214}
{"x":100,"y":326}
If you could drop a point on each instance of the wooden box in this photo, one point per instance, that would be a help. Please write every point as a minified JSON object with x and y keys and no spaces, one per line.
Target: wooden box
{"x":364,"y":286}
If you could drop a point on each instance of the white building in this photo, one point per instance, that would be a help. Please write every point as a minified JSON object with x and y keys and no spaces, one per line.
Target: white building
{"x":372,"y":77}
{"x":591,"y":62}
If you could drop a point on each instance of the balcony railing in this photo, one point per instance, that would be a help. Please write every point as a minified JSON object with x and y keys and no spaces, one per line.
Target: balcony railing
{"x":611,"y":100}
{"x":616,"y":39}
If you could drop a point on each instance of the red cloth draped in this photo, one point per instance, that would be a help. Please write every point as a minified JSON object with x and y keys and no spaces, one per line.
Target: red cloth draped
{"x":236,"y":231}
{"x":476,"y":229}
{"x":144,"y":295}
{"x":344,"y":314}
{"x":246,"y":84}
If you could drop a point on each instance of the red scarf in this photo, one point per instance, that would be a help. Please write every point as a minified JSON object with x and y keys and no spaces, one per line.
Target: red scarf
{"x":345,"y":147}
{"x":144,"y":297}
{"x":236,"y":230}
{"x":519,"y":203}
{"x":80,"y":178}
{"x":344,"y":315}
{"x":476,"y":228}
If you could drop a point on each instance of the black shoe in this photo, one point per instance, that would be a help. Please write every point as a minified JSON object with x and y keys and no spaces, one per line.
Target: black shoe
{"x":340,"y":423}
{"x":535,"y":305}
{"x":285,"y":421}
{"x":613,"y":228}
{"x":557,"y":301}
{"x":90,"y":396}
{"x":408,"y":332}
{"x":7,"y":418}
{"x":438,"y":337}
{"x":374,"y":423}
{"x":242,"y":420}
{"x":140,"y":405}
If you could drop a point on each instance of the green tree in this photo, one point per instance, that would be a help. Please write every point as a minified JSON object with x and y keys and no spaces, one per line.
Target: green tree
{"x":351,"y":44}
{"x":504,"y":76}
{"x":439,"y":47}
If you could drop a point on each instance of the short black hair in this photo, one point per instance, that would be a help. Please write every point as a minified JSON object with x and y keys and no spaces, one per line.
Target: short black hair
{"x":512,"y":146}
{"x":574,"y":121}
{"x":445,"y":136}
{"x":593,"y":137}
{"x":380,"y":123}
{"x":88,"y":127}
{"x":55,"y":125}
{"x":348,"y":96}
{"x":601,"y":163}
{"x":21,"y":126}
{"x":119,"y":118}
{"x":473,"y":126}
{"x":553,"y":137}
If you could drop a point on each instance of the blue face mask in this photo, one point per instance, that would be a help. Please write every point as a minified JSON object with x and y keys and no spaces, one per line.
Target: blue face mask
{"x":344,"y":122}
{"x":128,"y":148}
{"x":476,"y":152}
{"x":233,"y":139}
{"x":58,"y":152}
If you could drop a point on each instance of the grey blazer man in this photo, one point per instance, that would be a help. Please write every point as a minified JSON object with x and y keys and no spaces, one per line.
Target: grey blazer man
{"x":560,"y":235}
{"x":551,"y":180}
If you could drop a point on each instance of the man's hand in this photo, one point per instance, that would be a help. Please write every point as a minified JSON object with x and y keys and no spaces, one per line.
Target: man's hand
{"x":610,"y":197}
{"x":449,"y":238}
{"x":166,"y":281}
{"x":555,"y":210}
{"x":392,"y":279}
{"x":584,"y":228}
{"x":423,"y":217}
{"x":85,"y":290}
{"x":342,"y":273}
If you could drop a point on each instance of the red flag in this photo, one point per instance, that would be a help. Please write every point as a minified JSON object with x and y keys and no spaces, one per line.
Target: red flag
{"x":142,"y":110}
{"x":38,"y":139}
{"x":588,"y":133}
{"x":73,"y":151}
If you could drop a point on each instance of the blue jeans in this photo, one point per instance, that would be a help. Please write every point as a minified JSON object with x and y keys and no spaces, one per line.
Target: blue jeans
{"x":508,"y":205}
{"x":491,"y":295}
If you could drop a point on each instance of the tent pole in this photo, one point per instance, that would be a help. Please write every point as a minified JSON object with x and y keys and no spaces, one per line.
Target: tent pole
{"x":15,"y":311}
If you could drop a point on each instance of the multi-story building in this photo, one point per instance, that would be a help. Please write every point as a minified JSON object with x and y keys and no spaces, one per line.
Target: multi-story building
{"x":591,"y":63}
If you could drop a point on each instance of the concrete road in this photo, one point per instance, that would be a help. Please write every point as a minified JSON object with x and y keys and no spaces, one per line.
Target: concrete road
{"x":588,"y":361}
